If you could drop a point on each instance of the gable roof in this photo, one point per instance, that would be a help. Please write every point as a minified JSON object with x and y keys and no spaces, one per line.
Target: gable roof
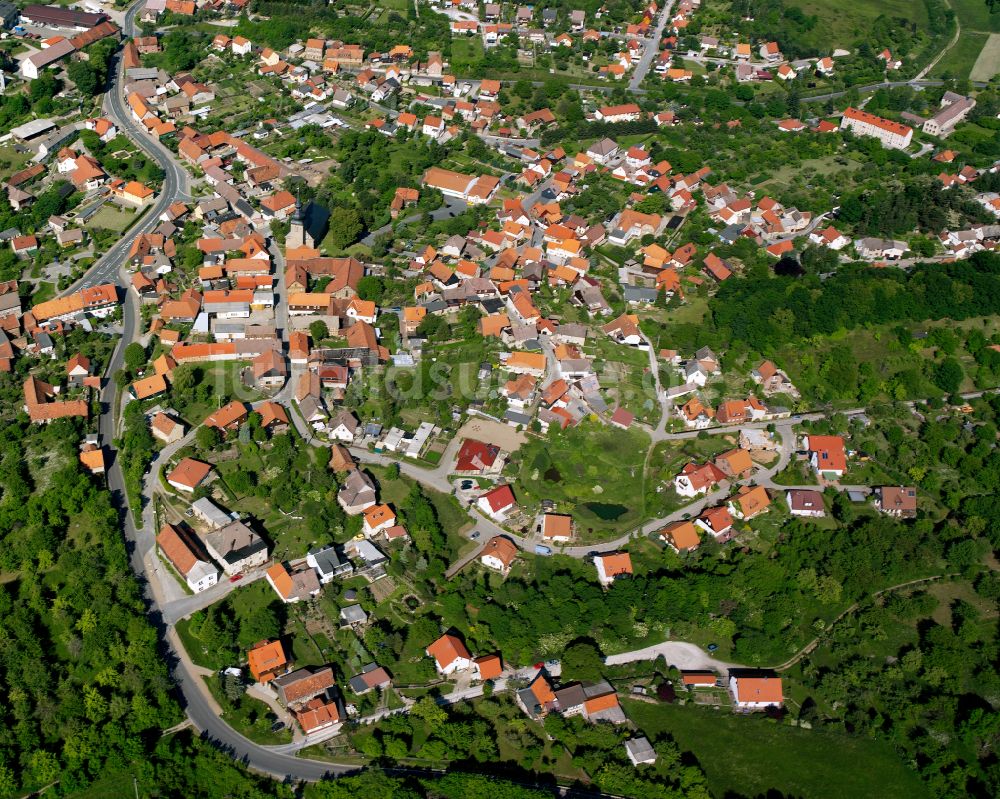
{"x":615,"y":563}
{"x":499,"y":498}
{"x":682,"y":534}
{"x":501,"y":548}
{"x":447,"y":649}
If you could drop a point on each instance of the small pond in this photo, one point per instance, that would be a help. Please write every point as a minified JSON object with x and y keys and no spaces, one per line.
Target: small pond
{"x":606,"y":511}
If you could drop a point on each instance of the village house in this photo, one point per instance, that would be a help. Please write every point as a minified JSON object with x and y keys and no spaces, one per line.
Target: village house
{"x":898,"y":501}
{"x":236,"y":548}
{"x":735,"y":463}
{"x":694,"y":480}
{"x":827,"y":455}
{"x":293,"y":586}
{"x":267,"y":660}
{"x":749,"y":502}
{"x":715,"y":521}
{"x":805,"y":502}
{"x":556,"y":528}
{"x":499,"y":554}
{"x":681,"y":536}
{"x":357,"y":493}
{"x":183,"y":552}
{"x":497,"y":503}
{"x":376,"y":519}
{"x":755,"y":692}
{"x":189,"y":474}
{"x":450,"y":655}
{"x":611,"y":566}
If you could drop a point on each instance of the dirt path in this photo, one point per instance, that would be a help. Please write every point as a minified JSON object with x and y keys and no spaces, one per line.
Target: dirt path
{"x":808,"y":648}
{"x":954,"y":40}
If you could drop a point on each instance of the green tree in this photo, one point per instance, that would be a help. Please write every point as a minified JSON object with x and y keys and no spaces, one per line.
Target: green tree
{"x":428,"y":711}
{"x":84,"y":76}
{"x":318,"y":330}
{"x":207,"y":437}
{"x":135,"y":356}
{"x":371,"y":288}
{"x":583,"y":661}
{"x":345,"y":227}
{"x":948,"y":375}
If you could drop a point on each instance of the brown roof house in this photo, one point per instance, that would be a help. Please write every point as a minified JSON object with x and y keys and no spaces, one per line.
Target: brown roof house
{"x":303,"y":684}
{"x":236,"y":547}
{"x":189,"y":474}
{"x":294,"y":585}
{"x":499,"y":554}
{"x":269,"y":369}
{"x":898,"y":501}
{"x":450,"y":654}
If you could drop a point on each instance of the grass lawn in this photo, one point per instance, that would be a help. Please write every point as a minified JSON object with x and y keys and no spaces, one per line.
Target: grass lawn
{"x":454,"y":520}
{"x":692,"y":311}
{"x":606,"y":349}
{"x":590,"y":471}
{"x":44,"y":290}
{"x":975,"y":16}
{"x":465,"y":50}
{"x":761,"y":756}
{"x":249,"y":717}
{"x":783,"y":176}
{"x":842,"y":23}
{"x":11,"y":161}
{"x":112,"y":217}
{"x":224,"y":380}
{"x":960,"y":59}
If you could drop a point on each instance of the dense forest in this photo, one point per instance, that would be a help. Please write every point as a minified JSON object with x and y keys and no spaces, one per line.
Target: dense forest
{"x":767,"y":313}
{"x":86,"y":689}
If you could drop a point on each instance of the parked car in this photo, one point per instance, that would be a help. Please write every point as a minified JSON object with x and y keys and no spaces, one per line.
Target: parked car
{"x":541,"y":549}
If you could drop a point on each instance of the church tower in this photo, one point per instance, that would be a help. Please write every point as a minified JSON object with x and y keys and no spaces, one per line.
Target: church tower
{"x":297,"y":234}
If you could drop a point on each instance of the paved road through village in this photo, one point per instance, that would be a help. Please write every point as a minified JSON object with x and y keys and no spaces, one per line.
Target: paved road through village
{"x":165,"y":611}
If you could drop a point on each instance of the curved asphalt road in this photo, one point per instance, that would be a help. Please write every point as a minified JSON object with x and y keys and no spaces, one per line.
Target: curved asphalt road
{"x":259,"y":758}
{"x":175,"y":182}
{"x":107,"y":269}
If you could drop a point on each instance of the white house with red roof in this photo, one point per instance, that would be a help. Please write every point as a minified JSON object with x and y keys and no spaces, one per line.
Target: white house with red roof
{"x":829,"y":237}
{"x":240,"y":45}
{"x":694,"y":480}
{"x":611,"y":566}
{"x":827,"y":454}
{"x":497,"y":503}
{"x":450,"y":654}
{"x":751,"y":692}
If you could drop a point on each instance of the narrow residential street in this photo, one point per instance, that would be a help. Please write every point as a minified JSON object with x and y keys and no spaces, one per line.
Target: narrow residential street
{"x":651,"y":47}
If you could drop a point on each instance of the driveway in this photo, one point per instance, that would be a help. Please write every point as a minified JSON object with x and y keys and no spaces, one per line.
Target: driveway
{"x":686,"y":657}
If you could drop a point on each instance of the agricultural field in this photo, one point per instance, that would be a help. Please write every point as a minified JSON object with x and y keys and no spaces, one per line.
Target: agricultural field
{"x":960,"y":59}
{"x":988,"y":63}
{"x":975,"y":16}
{"x":12,"y":161}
